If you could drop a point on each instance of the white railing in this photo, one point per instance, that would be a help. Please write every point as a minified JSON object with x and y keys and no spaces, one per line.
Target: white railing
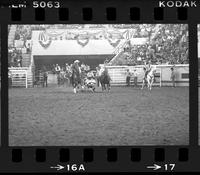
{"x":119,"y":48}
{"x":18,"y":77}
{"x":163,"y":74}
{"x":118,"y":51}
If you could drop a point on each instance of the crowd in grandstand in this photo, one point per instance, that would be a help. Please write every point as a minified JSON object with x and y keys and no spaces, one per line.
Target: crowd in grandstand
{"x":15,"y":58}
{"x":171,"y":44}
{"x":15,"y":55}
{"x":139,"y":30}
{"x":168,"y":44}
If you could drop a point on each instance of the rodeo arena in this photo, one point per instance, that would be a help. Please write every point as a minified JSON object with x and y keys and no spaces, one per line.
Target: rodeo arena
{"x":87,"y":85}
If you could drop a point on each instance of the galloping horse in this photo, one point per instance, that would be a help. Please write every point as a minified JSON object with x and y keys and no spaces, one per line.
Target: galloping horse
{"x":104,"y":79}
{"x":149,"y":78}
{"x":76,"y":77}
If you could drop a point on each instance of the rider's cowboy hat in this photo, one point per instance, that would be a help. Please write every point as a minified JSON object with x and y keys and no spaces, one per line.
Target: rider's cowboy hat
{"x":76,"y":61}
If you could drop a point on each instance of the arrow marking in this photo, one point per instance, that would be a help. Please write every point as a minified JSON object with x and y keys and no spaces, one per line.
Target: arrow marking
{"x":154,"y":167}
{"x":58,"y":167}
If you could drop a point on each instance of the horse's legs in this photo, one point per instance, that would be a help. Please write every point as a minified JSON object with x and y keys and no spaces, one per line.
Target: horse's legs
{"x":57,"y":81}
{"x":147,"y":84}
{"x":61,"y":81}
{"x":108,"y":85}
{"x":65,"y":84}
{"x":151,"y":83}
{"x":74,"y":85}
{"x":75,"y":90}
{"x":67,"y":81}
{"x":82,"y":87}
{"x":150,"y":86}
{"x":70,"y":81}
{"x":143,"y":81}
{"x":103,"y":86}
{"x":93,"y":89}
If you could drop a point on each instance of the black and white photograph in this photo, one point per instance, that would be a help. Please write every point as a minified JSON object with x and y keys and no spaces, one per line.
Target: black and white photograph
{"x":198,"y":29}
{"x":98,"y":84}
{"x":0,"y":86}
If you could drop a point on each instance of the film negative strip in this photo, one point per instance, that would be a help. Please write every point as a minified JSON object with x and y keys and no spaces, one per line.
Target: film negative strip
{"x":99,"y":86}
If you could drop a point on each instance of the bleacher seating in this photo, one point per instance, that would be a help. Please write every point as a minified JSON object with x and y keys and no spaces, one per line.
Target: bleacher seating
{"x":11,"y":35}
{"x":26,"y":60}
{"x":168,"y":44}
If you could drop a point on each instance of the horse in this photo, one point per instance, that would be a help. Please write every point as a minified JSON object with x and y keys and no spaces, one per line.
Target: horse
{"x":76,"y":78}
{"x":104,"y":79}
{"x":149,"y":78}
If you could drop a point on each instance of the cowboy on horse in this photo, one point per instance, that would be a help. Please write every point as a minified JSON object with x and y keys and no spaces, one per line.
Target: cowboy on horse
{"x":104,"y":78}
{"x":76,"y":75}
{"x":148,"y":68}
{"x":148,"y":76}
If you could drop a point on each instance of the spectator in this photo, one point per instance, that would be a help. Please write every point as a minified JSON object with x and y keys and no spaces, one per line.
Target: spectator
{"x":57,"y":69}
{"x":19,"y":60}
{"x":135,"y":77}
{"x":28,"y":49}
{"x":67,"y":67}
{"x":128,"y":77}
{"x":97,"y":75}
{"x":45,"y":77}
{"x":173,"y":77}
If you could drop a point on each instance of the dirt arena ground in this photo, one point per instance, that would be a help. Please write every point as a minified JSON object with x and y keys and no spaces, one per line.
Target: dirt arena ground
{"x":125,"y":116}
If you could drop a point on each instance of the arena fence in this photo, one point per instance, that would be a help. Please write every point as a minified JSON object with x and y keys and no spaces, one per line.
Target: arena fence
{"x":22,"y":77}
{"x":162,"y":75}
{"x":18,"y":77}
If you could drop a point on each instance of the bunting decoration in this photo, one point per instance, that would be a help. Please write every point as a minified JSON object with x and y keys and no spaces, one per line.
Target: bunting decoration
{"x":44,"y":40}
{"x":82,"y":39}
{"x":114,"y":42}
{"x":114,"y":37}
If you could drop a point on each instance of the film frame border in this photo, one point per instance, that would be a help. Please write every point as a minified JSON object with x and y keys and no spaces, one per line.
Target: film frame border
{"x":146,"y":16}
